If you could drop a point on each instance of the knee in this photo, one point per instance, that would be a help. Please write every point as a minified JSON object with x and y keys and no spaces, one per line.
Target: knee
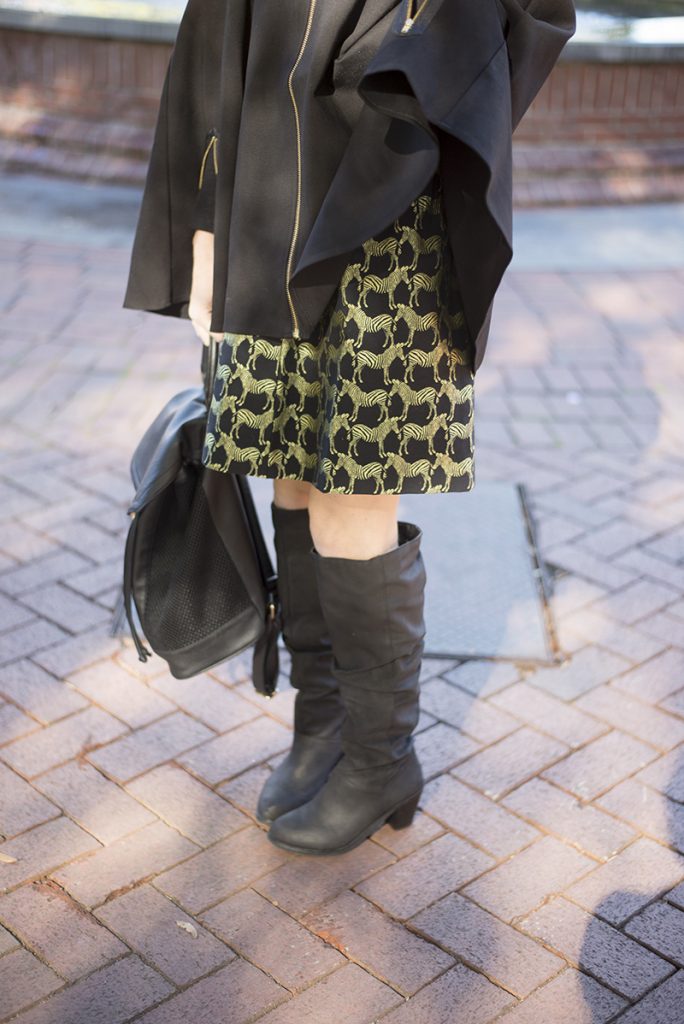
{"x":292,"y":494}
{"x":353,"y":525}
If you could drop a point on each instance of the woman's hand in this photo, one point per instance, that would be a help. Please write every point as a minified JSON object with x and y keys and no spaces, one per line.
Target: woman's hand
{"x":202,"y":287}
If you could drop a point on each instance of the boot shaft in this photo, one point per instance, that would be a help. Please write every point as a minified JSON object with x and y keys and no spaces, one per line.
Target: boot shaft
{"x":374,"y":612}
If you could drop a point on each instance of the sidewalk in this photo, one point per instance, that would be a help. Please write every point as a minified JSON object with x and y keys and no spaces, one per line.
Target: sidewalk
{"x":542,"y":881}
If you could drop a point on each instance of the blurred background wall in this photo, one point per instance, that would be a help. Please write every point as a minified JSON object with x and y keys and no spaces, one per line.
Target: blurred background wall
{"x":80,"y":84}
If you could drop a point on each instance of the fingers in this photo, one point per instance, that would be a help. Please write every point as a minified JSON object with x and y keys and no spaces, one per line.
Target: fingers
{"x":201,"y":332}
{"x":204,"y":334}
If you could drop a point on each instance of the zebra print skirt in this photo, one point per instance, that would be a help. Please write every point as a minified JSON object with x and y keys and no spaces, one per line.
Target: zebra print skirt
{"x":380,"y":399}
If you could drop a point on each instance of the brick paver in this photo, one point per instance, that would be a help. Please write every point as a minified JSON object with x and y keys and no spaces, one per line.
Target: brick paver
{"x":664,"y":1004}
{"x":304,"y":883}
{"x":511,"y":761}
{"x":93,"y":879}
{"x":522,"y":882}
{"x":542,"y":877}
{"x":370,"y":938}
{"x":23,"y":980}
{"x":556,"y":811}
{"x":60,"y":742}
{"x":351,"y":992}
{"x":187,"y":804}
{"x":110,"y":995}
{"x":629,"y":880}
{"x":459,"y":994}
{"x":569,"y":998}
{"x":601,"y":764}
{"x":38,"y":692}
{"x":95,"y":803}
{"x":483,"y":941}
{"x":476,"y":817}
{"x":267,"y":936}
{"x":221,"y":870}
{"x":166,"y":937}
{"x":661,"y":927}
{"x":55,"y":927}
{"x":422,"y":877}
{"x":596,"y":946}
{"x":21,"y":805}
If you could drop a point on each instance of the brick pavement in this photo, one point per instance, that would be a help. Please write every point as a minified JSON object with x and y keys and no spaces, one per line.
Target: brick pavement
{"x":543,"y":877}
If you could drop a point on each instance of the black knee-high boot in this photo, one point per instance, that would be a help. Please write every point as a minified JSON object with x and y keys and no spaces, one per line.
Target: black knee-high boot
{"x":374,"y":612}
{"x":318,"y":709}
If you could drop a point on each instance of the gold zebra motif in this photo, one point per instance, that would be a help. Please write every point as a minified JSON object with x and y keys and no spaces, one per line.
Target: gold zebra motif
{"x":425,"y":283}
{"x":355,"y":470}
{"x":340,"y":422}
{"x":304,"y":389}
{"x":463,"y":431}
{"x":307,"y":350}
{"x":450,"y":468}
{"x":423,"y":468}
{"x":415,"y":322}
{"x":352,"y":272}
{"x":263,"y":347}
{"x":419,"y":244}
{"x":417,"y":357}
{"x":460,"y":395}
{"x":422,"y":205}
{"x":363,"y":398}
{"x":375,"y":435}
{"x":383,"y":285}
{"x":303,"y":457}
{"x":384,"y":322}
{"x":259,"y":421}
{"x":425,"y":396}
{"x":308,"y":422}
{"x":276,"y":457}
{"x":233,"y":451}
{"x":328,"y":369}
{"x":384,"y":247}
{"x":423,"y":432}
{"x":250,"y":385}
{"x":378,"y":360}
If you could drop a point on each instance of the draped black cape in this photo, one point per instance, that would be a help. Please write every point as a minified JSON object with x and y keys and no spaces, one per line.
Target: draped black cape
{"x":326,"y":121}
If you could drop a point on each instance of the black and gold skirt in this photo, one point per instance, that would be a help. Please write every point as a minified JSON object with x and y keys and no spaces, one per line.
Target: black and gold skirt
{"x":379,"y":400}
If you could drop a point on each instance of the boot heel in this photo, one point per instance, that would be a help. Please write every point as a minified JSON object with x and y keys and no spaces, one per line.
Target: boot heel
{"x":403,"y":816}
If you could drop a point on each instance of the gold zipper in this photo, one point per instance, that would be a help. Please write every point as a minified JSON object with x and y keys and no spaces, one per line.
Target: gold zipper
{"x":293,"y":242}
{"x":410,"y":17}
{"x":211,"y":148}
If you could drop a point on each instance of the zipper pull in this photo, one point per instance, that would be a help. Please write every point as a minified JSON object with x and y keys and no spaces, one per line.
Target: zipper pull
{"x":407,"y":25}
{"x":211,"y":148}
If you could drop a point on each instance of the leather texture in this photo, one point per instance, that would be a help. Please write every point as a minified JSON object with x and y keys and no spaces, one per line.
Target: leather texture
{"x":193,"y":561}
{"x":374,"y":612}
{"x":318,"y":708}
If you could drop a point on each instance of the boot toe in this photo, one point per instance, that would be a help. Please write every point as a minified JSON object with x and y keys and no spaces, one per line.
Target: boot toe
{"x":297,"y":831}
{"x":298,"y":777}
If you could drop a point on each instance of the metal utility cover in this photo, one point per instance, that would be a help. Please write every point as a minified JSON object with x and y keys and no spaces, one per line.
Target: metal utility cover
{"x":484,"y":595}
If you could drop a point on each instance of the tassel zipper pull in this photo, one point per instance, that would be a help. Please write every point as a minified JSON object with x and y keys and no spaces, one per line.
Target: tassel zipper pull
{"x":410,"y":16}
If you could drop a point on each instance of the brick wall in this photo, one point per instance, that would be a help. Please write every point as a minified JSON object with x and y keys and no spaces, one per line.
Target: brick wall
{"x":86,"y":107}
{"x":591,"y":102}
{"x":82,"y":76}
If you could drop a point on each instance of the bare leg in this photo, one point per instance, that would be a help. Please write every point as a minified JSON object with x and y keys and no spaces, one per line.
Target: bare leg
{"x":357,"y":526}
{"x":291,"y":493}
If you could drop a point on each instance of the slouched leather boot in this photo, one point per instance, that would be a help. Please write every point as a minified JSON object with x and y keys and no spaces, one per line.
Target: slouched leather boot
{"x":374,"y":612}
{"x":318,"y":709}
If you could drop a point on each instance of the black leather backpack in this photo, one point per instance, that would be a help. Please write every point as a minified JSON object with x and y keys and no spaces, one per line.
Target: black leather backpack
{"x":196,"y":564}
